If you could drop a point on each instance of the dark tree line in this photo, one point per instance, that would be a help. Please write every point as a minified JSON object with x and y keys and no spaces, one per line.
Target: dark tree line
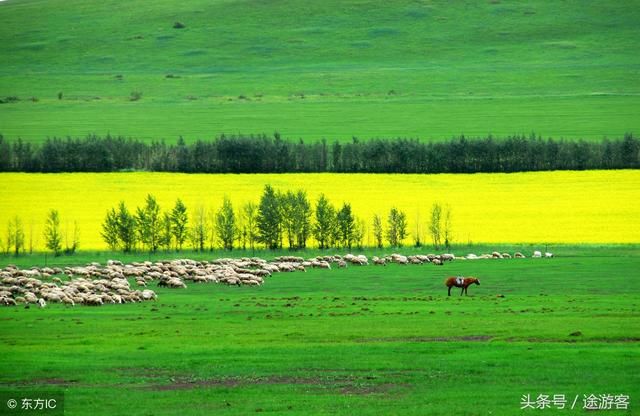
{"x":264,"y":154}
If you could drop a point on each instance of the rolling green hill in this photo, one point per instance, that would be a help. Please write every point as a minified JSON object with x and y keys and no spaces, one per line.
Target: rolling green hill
{"x":332,"y":69}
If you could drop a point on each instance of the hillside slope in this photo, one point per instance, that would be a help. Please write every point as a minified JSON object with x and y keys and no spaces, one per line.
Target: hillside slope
{"x":425,"y":69}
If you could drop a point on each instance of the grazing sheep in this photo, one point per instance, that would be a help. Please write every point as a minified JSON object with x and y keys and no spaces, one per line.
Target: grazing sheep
{"x":7,"y":301}
{"x":379,"y":262}
{"x":176,"y":283}
{"x":447,"y":257}
{"x":399,"y":258}
{"x":548,"y":255}
{"x":321,"y":264}
{"x":93,"y":300}
{"x":42,"y":303}
{"x":264,"y":273}
{"x":537,"y":254}
{"x":519,"y":255}
{"x":29,"y":297}
{"x":147,"y":295}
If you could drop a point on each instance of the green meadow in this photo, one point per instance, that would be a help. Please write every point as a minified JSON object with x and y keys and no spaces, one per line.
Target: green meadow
{"x":362,"y":340}
{"x":334,"y":69}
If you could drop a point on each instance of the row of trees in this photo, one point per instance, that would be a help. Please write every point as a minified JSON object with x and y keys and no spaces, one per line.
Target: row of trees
{"x":279,"y":220}
{"x":263,"y":154}
{"x":17,"y":241}
{"x":147,"y":226}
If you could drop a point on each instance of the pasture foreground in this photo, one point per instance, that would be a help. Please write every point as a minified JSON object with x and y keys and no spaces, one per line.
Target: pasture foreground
{"x":362,"y":340}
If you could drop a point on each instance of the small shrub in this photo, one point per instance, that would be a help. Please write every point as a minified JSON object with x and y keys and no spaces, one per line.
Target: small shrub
{"x":178,"y":25}
{"x":9,"y":100}
{"x":135,"y":96}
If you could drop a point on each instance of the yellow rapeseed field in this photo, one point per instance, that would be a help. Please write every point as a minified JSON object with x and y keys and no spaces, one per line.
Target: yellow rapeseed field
{"x":552,"y":207}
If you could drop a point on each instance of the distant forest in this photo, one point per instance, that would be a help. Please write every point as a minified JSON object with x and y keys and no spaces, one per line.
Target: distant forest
{"x":273,"y":154}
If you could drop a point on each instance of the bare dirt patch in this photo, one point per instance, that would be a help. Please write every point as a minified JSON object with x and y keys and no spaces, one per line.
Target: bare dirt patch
{"x":573,"y":340}
{"x":180,"y":383}
{"x":53,"y":381}
{"x":384,"y":388}
{"x":344,"y":384}
{"x":469,"y":338}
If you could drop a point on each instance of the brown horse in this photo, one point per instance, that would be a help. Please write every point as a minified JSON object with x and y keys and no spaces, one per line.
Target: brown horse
{"x":463,"y":282}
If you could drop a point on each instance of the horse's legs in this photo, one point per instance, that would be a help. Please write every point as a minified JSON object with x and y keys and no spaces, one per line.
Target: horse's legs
{"x":462,"y":291}
{"x":449,"y":290}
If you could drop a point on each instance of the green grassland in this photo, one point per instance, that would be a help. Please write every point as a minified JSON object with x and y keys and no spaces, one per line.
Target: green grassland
{"x":335,"y":69}
{"x":363,"y":340}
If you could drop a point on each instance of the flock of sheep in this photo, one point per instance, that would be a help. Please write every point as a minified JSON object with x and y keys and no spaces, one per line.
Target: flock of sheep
{"x":97,"y":285}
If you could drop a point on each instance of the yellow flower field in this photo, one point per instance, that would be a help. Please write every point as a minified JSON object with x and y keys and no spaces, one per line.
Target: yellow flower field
{"x":552,"y":207}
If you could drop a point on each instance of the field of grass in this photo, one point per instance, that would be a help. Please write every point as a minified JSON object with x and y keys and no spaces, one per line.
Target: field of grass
{"x":83,"y":257}
{"x":335,"y":69}
{"x":544,"y":207}
{"x":364,"y":340}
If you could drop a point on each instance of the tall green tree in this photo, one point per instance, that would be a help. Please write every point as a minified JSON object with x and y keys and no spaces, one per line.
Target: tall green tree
{"x":396,"y":227}
{"x":179,"y":223}
{"x":16,"y":235}
{"x":346,"y":226}
{"x":52,"y":235}
{"x":288,"y":215}
{"x":435,"y":225}
{"x":359,"y":233}
{"x":225,"y":224}
{"x":324,"y":226}
{"x":149,"y":223}
{"x":250,"y":217}
{"x":109,"y":231}
{"x":166,"y":237}
{"x":447,"y":229}
{"x":417,"y":238}
{"x":377,"y":230}
{"x":296,"y":218}
{"x":199,"y":228}
{"x":126,"y":228}
{"x":269,"y":221}
{"x":302,"y":215}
